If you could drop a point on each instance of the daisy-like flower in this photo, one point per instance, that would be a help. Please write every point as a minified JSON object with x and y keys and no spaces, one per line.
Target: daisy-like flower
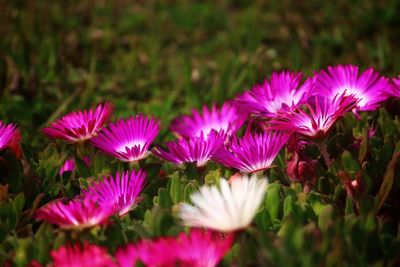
{"x":81,"y":256}
{"x":369,"y":87}
{"x":202,"y":248}
{"x":283,"y":90}
{"x":79,"y":126}
{"x":227,"y":118}
{"x":194,"y":149}
{"x":121,"y":192}
{"x":323,"y":114}
{"x":10,"y":136}
{"x":128,"y":140}
{"x":199,"y":248}
{"x":78,"y":213}
{"x":226,"y":208}
{"x":160,"y":252}
{"x":127,"y":256}
{"x":253,"y":152}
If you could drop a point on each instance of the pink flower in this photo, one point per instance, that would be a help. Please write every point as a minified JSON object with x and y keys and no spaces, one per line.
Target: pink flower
{"x":194,"y":149}
{"x":121,"y":192}
{"x":282,"y":91}
{"x":161,"y":252}
{"x":202,"y":248}
{"x":396,"y":87}
{"x":322,"y":115}
{"x":79,"y":126}
{"x":69,"y":165}
{"x":127,"y":256}
{"x":227,"y":119}
{"x":253,"y":152}
{"x":368,"y":87}
{"x":198,"y":249}
{"x":10,"y":136}
{"x":128,"y":140}
{"x":81,"y":256}
{"x":76,"y":214}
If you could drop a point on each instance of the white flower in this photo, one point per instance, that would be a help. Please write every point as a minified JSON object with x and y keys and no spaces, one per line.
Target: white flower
{"x":227,"y":208}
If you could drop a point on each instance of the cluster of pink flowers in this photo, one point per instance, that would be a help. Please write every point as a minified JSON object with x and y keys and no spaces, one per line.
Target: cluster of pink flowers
{"x":199,"y":248}
{"x":276,"y":110}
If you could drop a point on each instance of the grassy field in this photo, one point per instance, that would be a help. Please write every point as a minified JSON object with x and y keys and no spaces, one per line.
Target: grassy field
{"x":166,"y":58}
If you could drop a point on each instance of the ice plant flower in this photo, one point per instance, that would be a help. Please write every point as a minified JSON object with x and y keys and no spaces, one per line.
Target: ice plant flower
{"x":227,"y":208}
{"x":160,"y":252}
{"x":283,"y":90}
{"x":121,"y":192}
{"x":128,"y":140}
{"x":10,"y":136}
{"x":127,"y":256}
{"x":194,"y":149}
{"x":252,"y":152}
{"x":396,"y":87}
{"x":369,"y":87}
{"x":202,"y":248}
{"x":79,"y":126}
{"x":81,"y":256}
{"x":227,"y":118}
{"x":199,"y":248}
{"x":323,"y":114}
{"x":78,"y":213}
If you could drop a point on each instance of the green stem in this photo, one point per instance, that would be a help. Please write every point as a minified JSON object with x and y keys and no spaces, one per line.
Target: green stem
{"x":324,"y":152}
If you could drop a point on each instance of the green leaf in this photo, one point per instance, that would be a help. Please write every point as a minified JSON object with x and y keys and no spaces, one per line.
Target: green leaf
{"x":83,"y":183}
{"x":316,"y":202}
{"x":212,"y":177}
{"x":164,"y":199}
{"x":362,"y":153}
{"x":18,"y":204}
{"x":388,"y":180}
{"x":349,"y":164}
{"x":273,"y":203}
{"x":326,"y":216}
{"x":191,"y":187}
{"x":288,"y":206}
{"x":175,"y":189}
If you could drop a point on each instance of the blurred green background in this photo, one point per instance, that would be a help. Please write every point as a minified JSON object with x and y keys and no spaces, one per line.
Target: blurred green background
{"x":167,"y":57}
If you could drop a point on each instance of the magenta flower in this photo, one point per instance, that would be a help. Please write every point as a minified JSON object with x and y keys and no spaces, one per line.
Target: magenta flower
{"x":121,"y":192}
{"x":198,"y":249}
{"x":283,"y":90}
{"x":10,"y":136}
{"x":396,"y":87}
{"x":227,"y":119}
{"x":127,"y":256}
{"x":202,"y":248}
{"x":128,"y":140}
{"x":160,"y":252}
{"x":369,"y":87}
{"x":253,"y":152}
{"x":81,"y":256}
{"x":194,"y":149}
{"x":322,"y":115}
{"x":79,"y":126}
{"x":153,"y":253}
{"x":78,"y":213}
